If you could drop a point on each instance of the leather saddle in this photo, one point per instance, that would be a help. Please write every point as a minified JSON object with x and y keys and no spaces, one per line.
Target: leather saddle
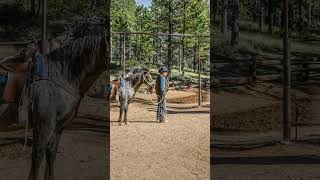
{"x":13,"y":74}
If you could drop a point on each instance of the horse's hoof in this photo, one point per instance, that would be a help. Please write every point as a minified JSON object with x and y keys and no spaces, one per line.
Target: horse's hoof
{"x":126,"y":123}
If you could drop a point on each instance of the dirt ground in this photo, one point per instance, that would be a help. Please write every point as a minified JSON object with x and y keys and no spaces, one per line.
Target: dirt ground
{"x":81,"y":154}
{"x":145,"y":149}
{"x":297,"y":161}
{"x":245,"y":155}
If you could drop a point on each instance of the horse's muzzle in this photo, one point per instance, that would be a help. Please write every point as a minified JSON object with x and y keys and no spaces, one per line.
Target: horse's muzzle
{"x":150,"y":89}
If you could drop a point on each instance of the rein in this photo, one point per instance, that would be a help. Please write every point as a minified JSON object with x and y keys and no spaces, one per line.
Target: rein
{"x":155,"y":102}
{"x":122,"y":84}
{"x":5,"y":67}
{"x":26,"y":87}
{"x":148,"y":83}
{"x":44,"y":75}
{"x":59,"y":85}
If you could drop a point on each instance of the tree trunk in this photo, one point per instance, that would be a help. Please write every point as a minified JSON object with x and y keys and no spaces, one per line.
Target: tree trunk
{"x":111,"y":50}
{"x":261,"y":15}
{"x":161,"y":51}
{"x":309,"y":13}
{"x":154,"y":56}
{"x":270,"y":14}
{"x":32,"y":7}
{"x":212,"y":50}
{"x":224,"y":20}
{"x":292,"y":13}
{"x":182,"y":63}
{"x":235,"y":23}
{"x":214,"y":9}
{"x":279,"y":18}
{"x":300,"y":15}
{"x":120,"y":51}
{"x":38,"y":9}
{"x":170,"y":40}
{"x":194,"y":58}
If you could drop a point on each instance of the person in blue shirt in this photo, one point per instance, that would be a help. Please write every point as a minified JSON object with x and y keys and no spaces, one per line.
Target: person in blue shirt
{"x":161,"y":91}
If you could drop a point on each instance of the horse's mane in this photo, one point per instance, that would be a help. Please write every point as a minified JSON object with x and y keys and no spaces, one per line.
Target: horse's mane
{"x":140,"y":70}
{"x":79,"y":54}
{"x":136,"y":75}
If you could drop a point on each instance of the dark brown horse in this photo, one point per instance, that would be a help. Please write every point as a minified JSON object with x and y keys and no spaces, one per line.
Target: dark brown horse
{"x":74,"y":63}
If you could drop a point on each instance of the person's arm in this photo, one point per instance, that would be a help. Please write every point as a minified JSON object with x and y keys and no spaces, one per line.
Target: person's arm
{"x":163,"y":86}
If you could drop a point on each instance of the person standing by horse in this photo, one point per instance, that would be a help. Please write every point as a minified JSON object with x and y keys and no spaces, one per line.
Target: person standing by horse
{"x":162,"y":85}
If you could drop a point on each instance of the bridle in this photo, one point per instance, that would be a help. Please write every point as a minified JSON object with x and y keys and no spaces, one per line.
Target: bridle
{"x":148,"y":83}
{"x":49,"y":78}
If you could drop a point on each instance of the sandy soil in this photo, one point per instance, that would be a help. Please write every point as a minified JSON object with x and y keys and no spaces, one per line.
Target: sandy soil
{"x":145,"y":149}
{"x":297,"y":161}
{"x":142,"y":150}
{"x":256,"y":108}
{"x":81,"y":154}
{"x":243,"y":155}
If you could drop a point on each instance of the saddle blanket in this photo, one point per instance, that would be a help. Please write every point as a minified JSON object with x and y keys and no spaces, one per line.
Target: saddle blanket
{"x":3,"y":80}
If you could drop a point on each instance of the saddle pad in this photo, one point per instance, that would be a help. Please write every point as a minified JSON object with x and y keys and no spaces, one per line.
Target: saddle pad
{"x":3,"y":79}
{"x":40,"y":66}
{"x":122,"y":83}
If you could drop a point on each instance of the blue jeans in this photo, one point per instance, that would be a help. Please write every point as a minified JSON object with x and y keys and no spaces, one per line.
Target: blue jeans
{"x":161,"y":110}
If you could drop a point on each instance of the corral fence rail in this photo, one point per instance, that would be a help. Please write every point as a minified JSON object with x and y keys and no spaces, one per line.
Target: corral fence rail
{"x":253,"y":70}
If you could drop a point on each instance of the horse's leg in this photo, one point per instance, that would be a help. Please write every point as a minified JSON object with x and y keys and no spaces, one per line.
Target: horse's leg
{"x":51,"y":152}
{"x":125,"y":113}
{"x":41,"y":135}
{"x":38,"y":150}
{"x":118,"y":98}
{"x":120,"y":115}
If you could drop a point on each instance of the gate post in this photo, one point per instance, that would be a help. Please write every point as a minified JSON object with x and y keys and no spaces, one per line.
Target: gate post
{"x":44,"y":44}
{"x":286,"y":78}
{"x":199,"y":75}
{"x":124,"y":53}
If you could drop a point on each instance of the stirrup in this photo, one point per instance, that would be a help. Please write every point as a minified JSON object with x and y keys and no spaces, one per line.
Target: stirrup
{"x":8,"y":112}
{"x":4,"y":108}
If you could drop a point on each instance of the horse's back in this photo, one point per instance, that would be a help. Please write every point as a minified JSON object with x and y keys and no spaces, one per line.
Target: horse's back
{"x":47,"y":99}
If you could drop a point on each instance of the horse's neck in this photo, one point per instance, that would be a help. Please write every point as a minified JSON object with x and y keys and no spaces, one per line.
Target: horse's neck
{"x":82,"y":83}
{"x":136,"y":85}
{"x":84,"y":76}
{"x":89,"y":80}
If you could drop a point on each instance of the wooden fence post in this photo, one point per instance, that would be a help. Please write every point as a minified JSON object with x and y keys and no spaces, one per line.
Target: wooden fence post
{"x":199,"y":71}
{"x":305,"y":67}
{"x":253,"y":70}
{"x":286,"y":77}
{"x":124,"y":53}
